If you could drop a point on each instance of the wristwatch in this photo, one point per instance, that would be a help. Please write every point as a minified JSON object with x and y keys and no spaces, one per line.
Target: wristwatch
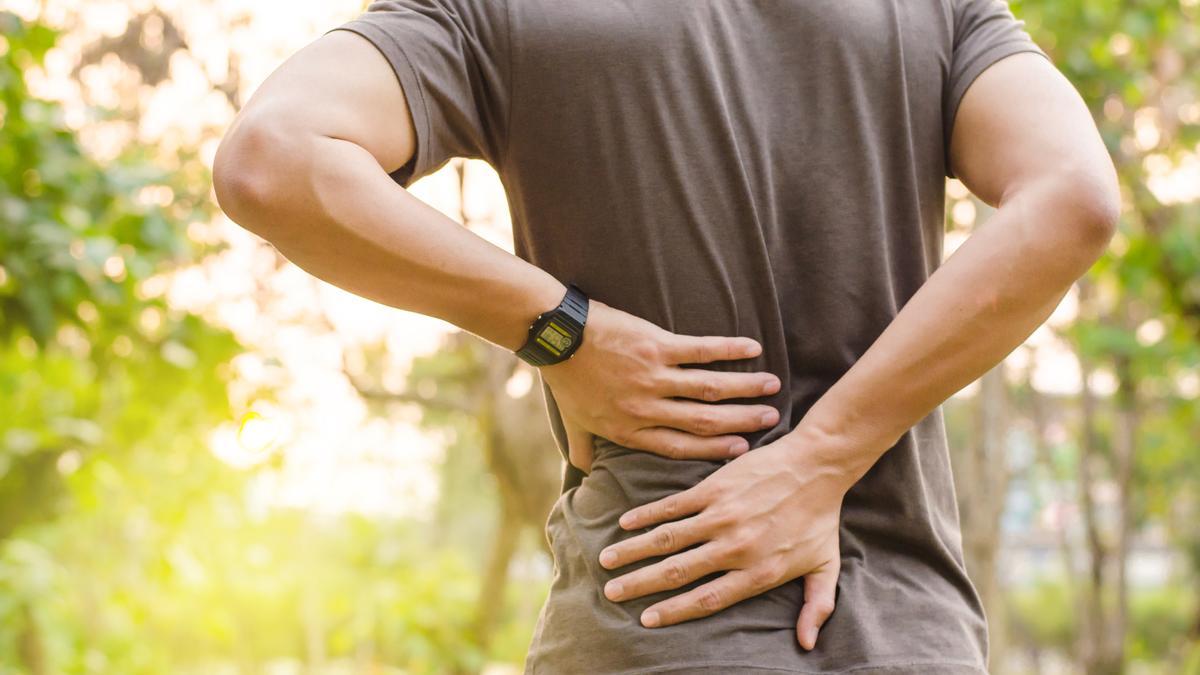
{"x":555,"y":334}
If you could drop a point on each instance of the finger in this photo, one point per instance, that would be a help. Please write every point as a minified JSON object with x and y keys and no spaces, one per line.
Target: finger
{"x":731,"y":587}
{"x":706,"y":349}
{"x":662,"y":540}
{"x":675,"y":444}
{"x":713,"y":385}
{"x":671,"y":507}
{"x":820,"y":597}
{"x":710,"y":419}
{"x":664,"y":575}
{"x":579,"y":445}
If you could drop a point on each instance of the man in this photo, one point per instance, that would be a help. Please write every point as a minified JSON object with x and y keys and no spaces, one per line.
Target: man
{"x":772,"y":171}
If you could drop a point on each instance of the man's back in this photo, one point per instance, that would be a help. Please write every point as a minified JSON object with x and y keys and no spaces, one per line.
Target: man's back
{"x":726,"y":167}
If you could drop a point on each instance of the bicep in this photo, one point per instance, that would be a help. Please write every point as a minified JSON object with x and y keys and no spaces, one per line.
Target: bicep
{"x":339,"y":86}
{"x":1021,"y":121}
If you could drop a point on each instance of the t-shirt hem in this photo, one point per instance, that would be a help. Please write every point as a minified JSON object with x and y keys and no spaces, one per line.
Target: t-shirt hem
{"x":414,"y":95}
{"x":978,"y":64}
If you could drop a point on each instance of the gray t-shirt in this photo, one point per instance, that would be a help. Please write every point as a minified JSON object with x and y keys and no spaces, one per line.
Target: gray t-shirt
{"x":767,"y":168}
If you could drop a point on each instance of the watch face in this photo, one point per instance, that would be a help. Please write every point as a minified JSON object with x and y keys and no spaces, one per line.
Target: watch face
{"x":555,"y":338}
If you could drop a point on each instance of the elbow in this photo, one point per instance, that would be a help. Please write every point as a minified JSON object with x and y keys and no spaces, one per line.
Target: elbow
{"x":1091,"y":200}
{"x":249,"y":176}
{"x":1081,"y":204}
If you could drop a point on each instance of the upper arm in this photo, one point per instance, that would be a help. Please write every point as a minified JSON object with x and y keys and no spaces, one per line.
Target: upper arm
{"x":414,"y":82}
{"x":1020,"y":122}
{"x":338,"y":86}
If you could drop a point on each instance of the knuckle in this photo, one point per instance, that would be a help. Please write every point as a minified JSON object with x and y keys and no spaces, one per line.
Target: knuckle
{"x":741,"y":542}
{"x":647,"y":380}
{"x":664,"y":539}
{"x":620,"y":437}
{"x":626,"y":405}
{"x":767,"y":574}
{"x":715,"y":493}
{"x":640,"y":411}
{"x":675,"y":573}
{"x":728,"y":556}
{"x":710,"y":390}
{"x":725,"y":515}
{"x":670,"y":509}
{"x":706,"y":421}
{"x":824,"y":606}
{"x":646,"y":350}
{"x":709,"y":600}
{"x":737,"y":548}
{"x":715,"y":520}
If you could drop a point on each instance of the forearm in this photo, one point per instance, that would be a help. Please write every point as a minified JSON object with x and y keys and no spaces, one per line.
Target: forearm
{"x":982,"y":303}
{"x":331,"y":210}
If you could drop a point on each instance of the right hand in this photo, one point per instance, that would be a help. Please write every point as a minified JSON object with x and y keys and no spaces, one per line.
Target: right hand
{"x":622,"y":382}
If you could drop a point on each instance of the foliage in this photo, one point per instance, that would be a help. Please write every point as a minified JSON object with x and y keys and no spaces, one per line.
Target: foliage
{"x":125,"y":547}
{"x":213,"y":587}
{"x":107,"y":393}
{"x":91,"y":361}
{"x":1138,"y":67}
{"x":1043,"y":617}
{"x":74,"y":230}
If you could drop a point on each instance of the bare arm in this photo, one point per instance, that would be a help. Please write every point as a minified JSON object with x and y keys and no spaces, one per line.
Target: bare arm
{"x":305,"y":165}
{"x":1024,"y":142}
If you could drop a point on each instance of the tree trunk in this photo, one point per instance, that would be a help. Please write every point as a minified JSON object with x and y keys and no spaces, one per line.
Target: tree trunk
{"x":983,"y":466}
{"x":1105,"y":616}
{"x":1124,"y":447}
{"x":1093,"y":632}
{"x":495,"y":576}
{"x":1040,"y":414}
{"x":30,"y":650}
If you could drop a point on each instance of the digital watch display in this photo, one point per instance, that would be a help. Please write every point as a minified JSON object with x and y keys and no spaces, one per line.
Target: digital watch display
{"x":555,"y":334}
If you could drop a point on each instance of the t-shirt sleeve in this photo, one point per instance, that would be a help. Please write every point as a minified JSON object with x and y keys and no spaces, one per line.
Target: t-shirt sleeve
{"x":451,"y":58}
{"x":984,"y":31}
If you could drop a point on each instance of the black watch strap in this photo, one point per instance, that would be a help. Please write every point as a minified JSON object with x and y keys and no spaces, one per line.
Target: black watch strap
{"x":555,"y":334}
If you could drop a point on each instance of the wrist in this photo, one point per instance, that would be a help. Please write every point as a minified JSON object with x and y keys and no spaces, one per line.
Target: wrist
{"x":556,"y":333}
{"x":531,"y":301}
{"x":842,"y":448}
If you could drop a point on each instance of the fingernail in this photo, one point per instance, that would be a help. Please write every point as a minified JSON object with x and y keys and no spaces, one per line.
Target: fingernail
{"x":738,"y":447}
{"x":769,"y":418}
{"x":607,"y":558}
{"x":812,"y":637}
{"x":650,"y":619}
{"x":769,"y":386}
{"x":613,"y":589}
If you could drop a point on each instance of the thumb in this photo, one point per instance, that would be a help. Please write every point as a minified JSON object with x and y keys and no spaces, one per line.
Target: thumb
{"x":820,"y":593}
{"x":579,"y":445}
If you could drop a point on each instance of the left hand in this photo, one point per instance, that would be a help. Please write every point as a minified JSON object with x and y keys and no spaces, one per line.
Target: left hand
{"x":769,"y":516}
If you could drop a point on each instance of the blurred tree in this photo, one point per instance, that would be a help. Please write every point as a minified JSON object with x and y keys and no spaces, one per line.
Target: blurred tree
{"x":492,"y":406}
{"x":1138,"y":67}
{"x":462,"y":389}
{"x":980,"y":464}
{"x":125,"y":547}
{"x":95,"y":369}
